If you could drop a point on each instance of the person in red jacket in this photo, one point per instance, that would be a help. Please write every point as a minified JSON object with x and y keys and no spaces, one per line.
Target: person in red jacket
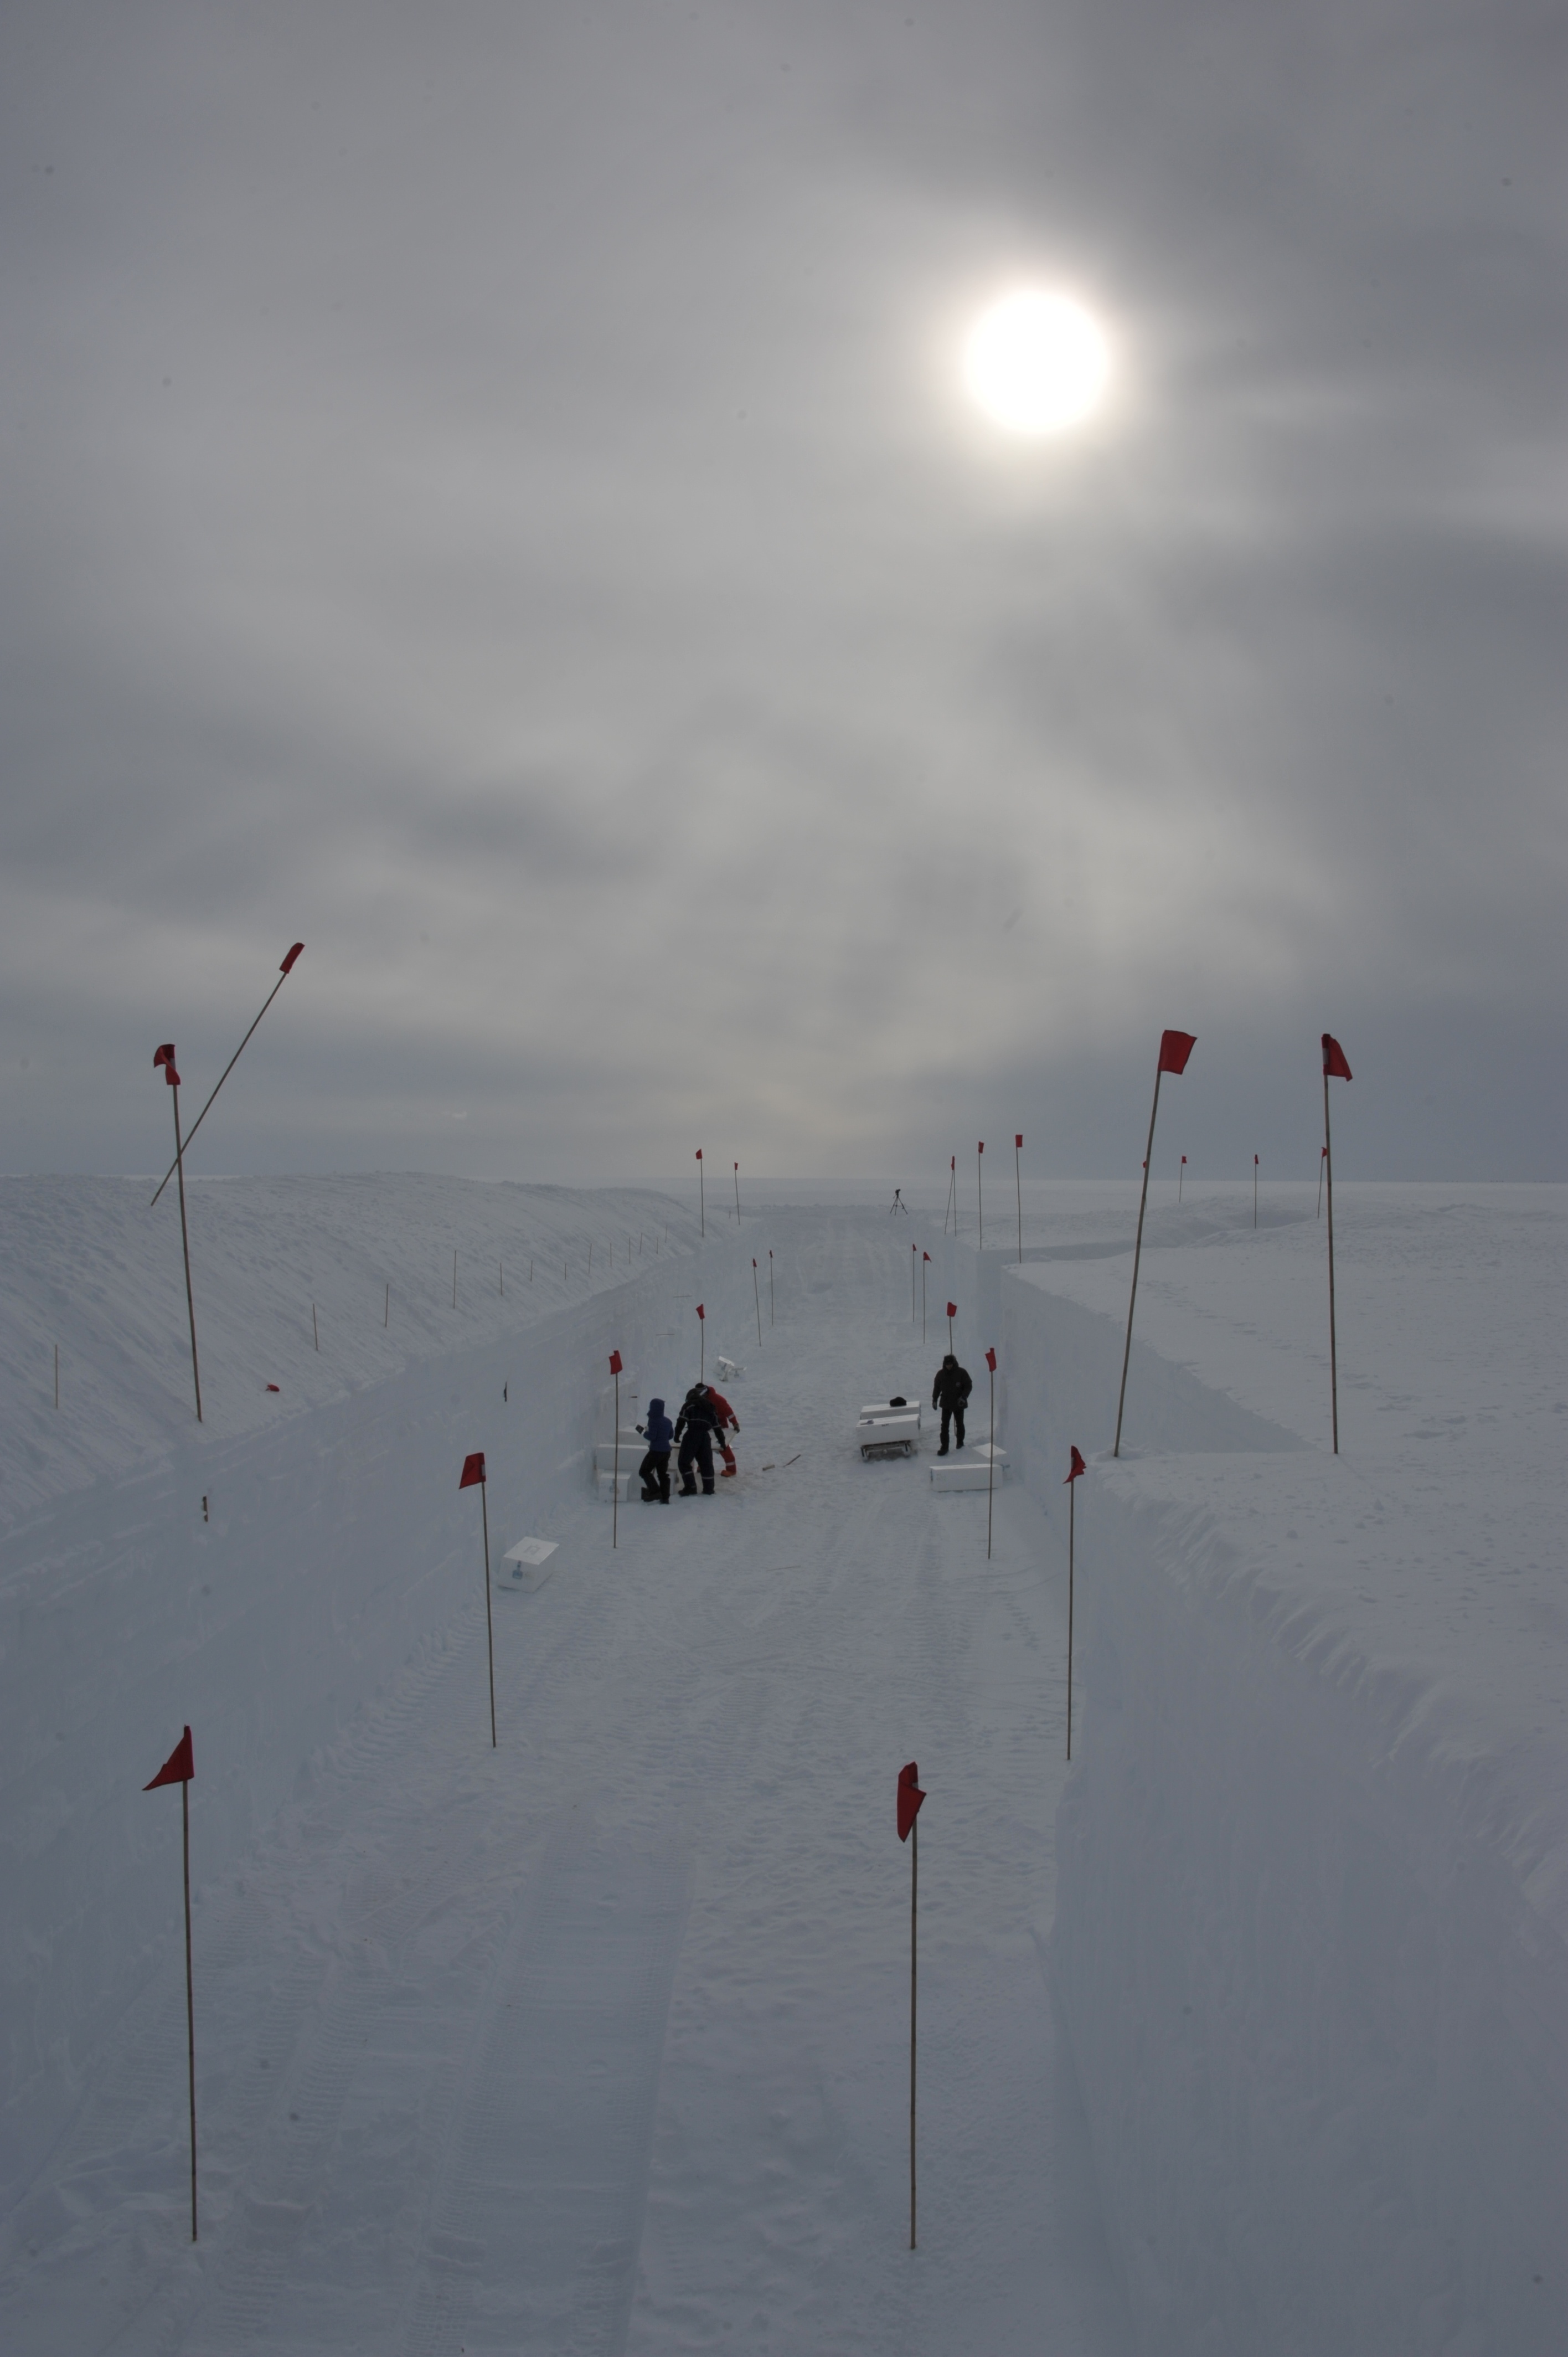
{"x":728,"y":1422}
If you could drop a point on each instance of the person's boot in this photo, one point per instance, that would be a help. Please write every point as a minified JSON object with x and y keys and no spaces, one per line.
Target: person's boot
{"x":687,"y":1490}
{"x":649,"y":1497}
{"x":707,"y":1488}
{"x":943,"y":1449}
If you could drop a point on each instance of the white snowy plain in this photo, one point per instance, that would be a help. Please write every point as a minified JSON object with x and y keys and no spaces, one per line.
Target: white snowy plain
{"x":598,"y":2040}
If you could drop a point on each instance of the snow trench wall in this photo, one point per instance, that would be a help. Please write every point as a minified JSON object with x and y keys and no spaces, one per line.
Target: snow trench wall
{"x":1319,"y":2028}
{"x":340,"y":1550}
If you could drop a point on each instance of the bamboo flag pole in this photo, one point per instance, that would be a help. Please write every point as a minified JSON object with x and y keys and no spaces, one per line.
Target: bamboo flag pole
{"x":474,"y":1471}
{"x":702,"y":1197}
{"x":1175,"y":1046}
{"x":737,"y":1190}
{"x":702,"y":1344}
{"x":991,"y":1454}
{"x":1322,"y":1159}
{"x":980,"y":1188}
{"x":756,"y":1296}
{"x":952,"y":1313}
{"x":57,"y":1374}
{"x":909,"y":1800}
{"x":179,"y":1768}
{"x":1019,"y":1181}
{"x":615,"y":1470}
{"x":1254,"y":1191}
{"x":1076,"y":1468}
{"x":166,"y":1058}
{"x":771,"y":1284}
{"x":925,"y":1258}
{"x":284,"y":972}
{"x":1181,"y":1174}
{"x":1336,"y":1068}
{"x":914,"y":1271}
{"x":951,"y":1212}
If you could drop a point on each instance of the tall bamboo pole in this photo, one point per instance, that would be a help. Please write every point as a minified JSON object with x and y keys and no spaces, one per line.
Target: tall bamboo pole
{"x":1137,"y":1255}
{"x":1327,"y":1161}
{"x":173,"y":1078}
{"x":914,"y":1913}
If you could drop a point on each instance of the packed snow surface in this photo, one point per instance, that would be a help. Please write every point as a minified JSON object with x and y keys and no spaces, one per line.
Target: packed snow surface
{"x":600,"y":2039}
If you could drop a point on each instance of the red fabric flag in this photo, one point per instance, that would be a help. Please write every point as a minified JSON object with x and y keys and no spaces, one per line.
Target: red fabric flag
{"x":909,"y":1798}
{"x":272,"y":1387}
{"x":1175,"y":1046}
{"x":177,"y":1769}
{"x":754,"y":1260}
{"x":1077,"y":1467}
{"x":1184,"y":1157}
{"x":473,"y":1470}
{"x":1018,"y":1140}
{"x":616,"y":1362}
{"x":699,"y":1153}
{"x":981,"y":1147}
{"x":1254,"y":1161}
{"x":1333,"y":1063}
{"x":952,"y":1161}
{"x":738,"y":1165}
{"x":166,"y":1058}
{"x":701,"y":1313}
{"x":287,"y":965}
{"x":952,"y":1308}
{"x":991,"y":1361}
{"x":925,"y":1256}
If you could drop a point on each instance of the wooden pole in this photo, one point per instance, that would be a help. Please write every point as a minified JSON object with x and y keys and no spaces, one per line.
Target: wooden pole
{"x":771,"y":1284}
{"x":756,"y":1296}
{"x":702,"y":1197}
{"x":189,"y":1995}
{"x":1326,"y":1159}
{"x":924,"y":1258}
{"x":1072,"y":1505}
{"x":489,"y":1627}
{"x":979,"y":1187}
{"x":185,"y":1247}
{"x":1018,"y":1181}
{"x":615,"y":1473}
{"x":1137,"y":1255}
{"x":1254,"y":1191}
{"x":386,"y":1313}
{"x":914,"y":1912}
{"x":951,"y":1212}
{"x":1321,"y":1160}
{"x":314,"y":1328}
{"x":201,"y":1116}
{"x":991,"y":1457}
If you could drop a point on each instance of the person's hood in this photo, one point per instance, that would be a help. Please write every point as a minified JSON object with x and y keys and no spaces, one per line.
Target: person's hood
{"x":950,"y":1360}
{"x":655,"y":1408}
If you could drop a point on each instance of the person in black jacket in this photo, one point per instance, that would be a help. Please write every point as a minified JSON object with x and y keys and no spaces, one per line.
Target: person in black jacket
{"x":699,"y":1421}
{"x":950,"y":1393}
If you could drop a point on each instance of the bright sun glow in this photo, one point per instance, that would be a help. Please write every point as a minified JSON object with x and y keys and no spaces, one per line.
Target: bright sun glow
{"x":1036,"y":363}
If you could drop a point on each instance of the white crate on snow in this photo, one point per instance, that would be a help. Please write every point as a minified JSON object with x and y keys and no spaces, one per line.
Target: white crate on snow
{"x":968,"y":1473}
{"x":526,"y":1565}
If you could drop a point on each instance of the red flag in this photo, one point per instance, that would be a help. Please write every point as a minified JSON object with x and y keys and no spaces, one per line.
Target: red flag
{"x":272,"y":1387}
{"x":473,"y":1470}
{"x":177,"y":1769}
{"x":952,"y":1308}
{"x":287,"y":965}
{"x":754,"y":1260}
{"x":738,"y":1165}
{"x":701,"y":1313}
{"x":1254,"y":1161}
{"x":699,"y":1153}
{"x":952,"y":1161}
{"x":166,"y":1058}
{"x":1184,"y":1159}
{"x":1018,"y":1140}
{"x":1077,"y":1467}
{"x":991,"y":1361}
{"x":925,"y":1256}
{"x":1175,"y":1046}
{"x":616,"y":1362}
{"x":909,"y":1798}
{"x":981,"y":1147}
{"x":1333,"y":1063}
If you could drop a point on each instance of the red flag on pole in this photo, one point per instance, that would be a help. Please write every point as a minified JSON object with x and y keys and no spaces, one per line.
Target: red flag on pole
{"x":1018,"y":1139}
{"x":166,"y":1058}
{"x":287,"y":965}
{"x":177,"y":1769}
{"x":473,"y":1470}
{"x":952,"y":1308}
{"x":699,"y":1153}
{"x":616,"y":1362}
{"x":1333,"y":1063}
{"x":909,"y":1798}
{"x":1077,"y":1467}
{"x":991,"y":1361}
{"x":1175,"y":1046}
{"x":701,"y":1313}
{"x":925,"y":1256}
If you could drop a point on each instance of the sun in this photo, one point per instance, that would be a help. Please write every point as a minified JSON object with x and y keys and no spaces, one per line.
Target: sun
{"x":1037,"y":363}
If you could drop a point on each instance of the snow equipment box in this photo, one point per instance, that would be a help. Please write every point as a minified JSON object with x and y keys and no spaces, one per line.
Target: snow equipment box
{"x":888,"y":1428}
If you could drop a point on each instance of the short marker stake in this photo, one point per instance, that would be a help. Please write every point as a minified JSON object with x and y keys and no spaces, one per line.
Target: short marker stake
{"x":1254,"y":1191}
{"x":952,"y":1313}
{"x":474,"y":1471}
{"x":951,"y":1212}
{"x":57,"y":1374}
{"x":1076,"y":1468}
{"x":179,"y":1768}
{"x":771,"y":1284}
{"x":911,"y":1798}
{"x":925,"y":1262}
{"x":737,"y":1190}
{"x":1181,"y":1174}
{"x":701,"y":1343}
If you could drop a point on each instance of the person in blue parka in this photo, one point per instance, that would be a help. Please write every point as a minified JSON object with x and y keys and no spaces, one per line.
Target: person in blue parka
{"x":654,"y":1470}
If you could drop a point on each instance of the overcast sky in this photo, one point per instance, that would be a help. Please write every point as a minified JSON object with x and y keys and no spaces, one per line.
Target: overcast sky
{"x":490,"y":491}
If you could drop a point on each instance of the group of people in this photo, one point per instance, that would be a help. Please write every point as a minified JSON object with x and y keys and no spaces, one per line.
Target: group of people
{"x":705,"y":1421}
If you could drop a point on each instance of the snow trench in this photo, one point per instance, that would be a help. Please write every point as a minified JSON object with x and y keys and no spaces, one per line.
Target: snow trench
{"x":1311,"y":1976}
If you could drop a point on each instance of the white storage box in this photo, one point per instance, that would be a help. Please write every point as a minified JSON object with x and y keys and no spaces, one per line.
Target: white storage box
{"x":609,"y":1488}
{"x":894,"y":1433}
{"x":879,"y":1408}
{"x":526,"y":1565}
{"x":967,"y":1474}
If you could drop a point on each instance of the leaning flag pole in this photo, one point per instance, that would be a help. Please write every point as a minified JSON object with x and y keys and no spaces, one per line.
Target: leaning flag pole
{"x":702,"y":1344}
{"x":1074,"y":1470}
{"x":616,"y":1363}
{"x":756,"y":1296}
{"x":166,"y":1058}
{"x":1334,"y":1068}
{"x":1018,"y":1180}
{"x":1175,"y":1046}
{"x":179,"y":1768}
{"x":702,"y":1197}
{"x":284,"y":972}
{"x":909,"y":1798}
{"x":474,"y":1471}
{"x":991,"y":1457}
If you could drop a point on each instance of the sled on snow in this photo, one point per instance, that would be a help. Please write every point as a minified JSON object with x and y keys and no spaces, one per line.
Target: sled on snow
{"x":890,"y":1428}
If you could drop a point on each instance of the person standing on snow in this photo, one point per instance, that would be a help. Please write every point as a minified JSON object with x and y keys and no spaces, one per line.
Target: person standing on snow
{"x":950,"y":1393}
{"x":728,"y":1422}
{"x":654,"y":1470}
{"x":699,"y":1421}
